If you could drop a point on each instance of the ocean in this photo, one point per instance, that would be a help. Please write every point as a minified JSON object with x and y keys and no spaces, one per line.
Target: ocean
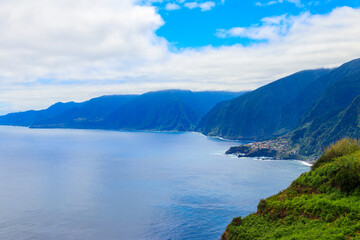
{"x":94,"y":184}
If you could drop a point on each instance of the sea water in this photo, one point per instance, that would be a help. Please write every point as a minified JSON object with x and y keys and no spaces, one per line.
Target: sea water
{"x":93,"y":184}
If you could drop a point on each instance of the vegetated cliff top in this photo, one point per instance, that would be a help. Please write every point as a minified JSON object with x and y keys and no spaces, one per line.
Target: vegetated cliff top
{"x":323,"y":203}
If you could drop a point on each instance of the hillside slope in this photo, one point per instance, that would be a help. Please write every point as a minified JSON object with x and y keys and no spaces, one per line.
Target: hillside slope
{"x":323,"y":203}
{"x":299,"y":108}
{"x":321,"y":125}
{"x":258,"y":114}
{"x":310,"y":140}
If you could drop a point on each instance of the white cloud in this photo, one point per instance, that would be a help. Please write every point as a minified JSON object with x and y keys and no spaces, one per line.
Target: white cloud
{"x":72,"y":40}
{"x":62,"y":50}
{"x":296,"y":2}
{"x":260,"y":4}
{"x":271,"y":28}
{"x":205,"y":6}
{"x":272,"y":2}
{"x":172,"y":6}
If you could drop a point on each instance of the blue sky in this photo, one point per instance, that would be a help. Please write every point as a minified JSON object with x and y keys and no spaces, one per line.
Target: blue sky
{"x":66,"y":50}
{"x":186,"y":27}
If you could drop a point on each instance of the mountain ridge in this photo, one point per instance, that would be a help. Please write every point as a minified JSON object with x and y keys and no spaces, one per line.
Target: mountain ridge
{"x":166,"y":110}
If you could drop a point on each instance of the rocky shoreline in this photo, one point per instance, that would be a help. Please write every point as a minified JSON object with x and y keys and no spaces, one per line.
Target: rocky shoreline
{"x":277,"y":149}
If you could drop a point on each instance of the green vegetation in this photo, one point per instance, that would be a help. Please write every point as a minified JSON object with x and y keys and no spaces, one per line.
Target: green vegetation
{"x":323,"y":203}
{"x":333,"y":116}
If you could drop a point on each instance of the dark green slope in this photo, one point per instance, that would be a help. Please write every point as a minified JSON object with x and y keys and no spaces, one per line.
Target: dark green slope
{"x":349,"y":122}
{"x":258,"y":114}
{"x":295,"y":110}
{"x":321,"y":204}
{"x":344,"y":124}
{"x":29,"y":117}
{"x":328,"y":120}
{"x":337,"y":94}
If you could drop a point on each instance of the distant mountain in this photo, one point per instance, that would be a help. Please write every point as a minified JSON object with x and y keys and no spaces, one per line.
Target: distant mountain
{"x":170,"y":110}
{"x":165,"y":110}
{"x":90,"y":114}
{"x":29,"y":117}
{"x":261,"y":114}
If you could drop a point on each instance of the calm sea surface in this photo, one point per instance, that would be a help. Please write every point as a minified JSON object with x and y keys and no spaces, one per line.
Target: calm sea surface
{"x":104,"y":185}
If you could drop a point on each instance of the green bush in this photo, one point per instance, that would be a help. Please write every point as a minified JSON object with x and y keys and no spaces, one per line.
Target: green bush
{"x":347,"y":176}
{"x":236,"y":221}
{"x":261,"y":206}
{"x":343,"y":147}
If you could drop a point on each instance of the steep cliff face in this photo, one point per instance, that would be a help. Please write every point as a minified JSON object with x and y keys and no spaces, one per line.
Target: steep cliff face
{"x":345,"y":123}
{"x":260,"y":114}
{"x":323,"y":203}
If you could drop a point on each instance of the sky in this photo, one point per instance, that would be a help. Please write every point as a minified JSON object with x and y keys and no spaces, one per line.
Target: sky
{"x":66,"y":50}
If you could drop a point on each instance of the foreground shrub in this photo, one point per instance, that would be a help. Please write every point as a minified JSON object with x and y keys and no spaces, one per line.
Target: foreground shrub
{"x":343,"y":147}
{"x":347,"y":176}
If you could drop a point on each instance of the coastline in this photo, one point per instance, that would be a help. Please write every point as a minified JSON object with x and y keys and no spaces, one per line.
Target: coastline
{"x":306,"y":162}
{"x":254,"y":153}
{"x":277,"y":149}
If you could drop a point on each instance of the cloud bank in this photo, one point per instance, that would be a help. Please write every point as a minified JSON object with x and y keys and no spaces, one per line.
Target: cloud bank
{"x":62,"y":50}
